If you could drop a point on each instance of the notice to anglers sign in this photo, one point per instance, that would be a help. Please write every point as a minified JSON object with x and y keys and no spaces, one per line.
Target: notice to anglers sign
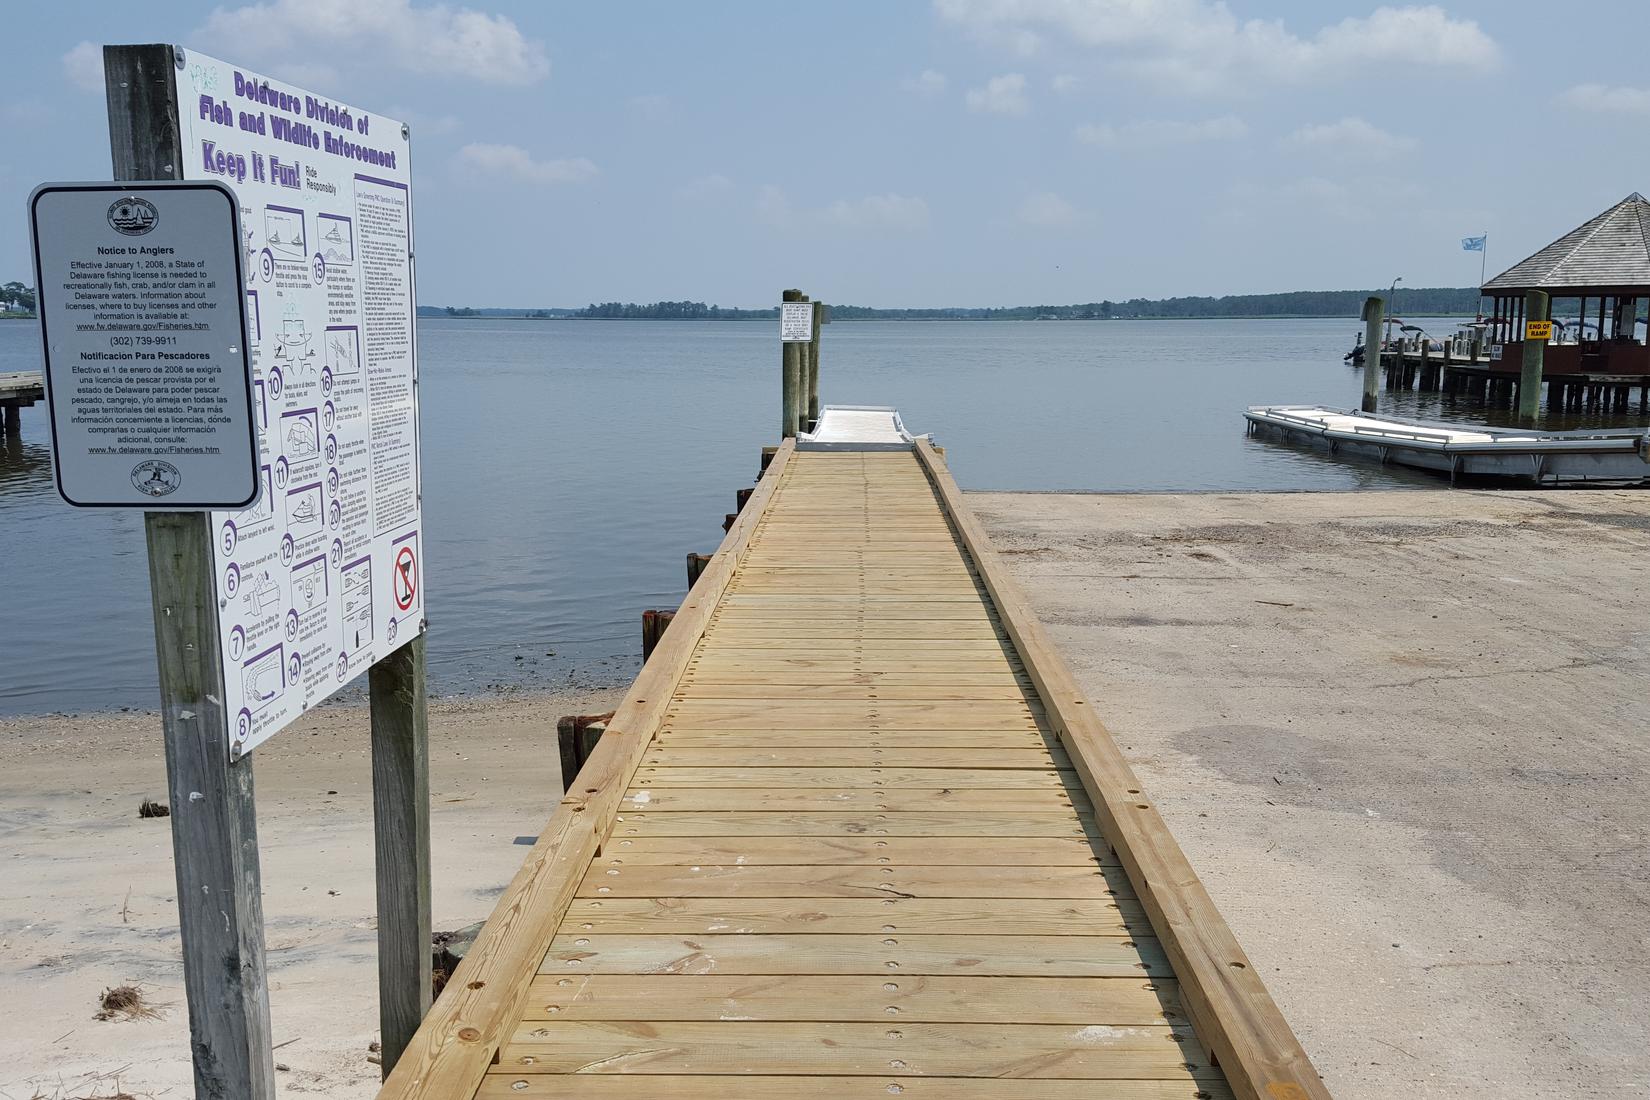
{"x":324,"y":575}
{"x":142,"y":323}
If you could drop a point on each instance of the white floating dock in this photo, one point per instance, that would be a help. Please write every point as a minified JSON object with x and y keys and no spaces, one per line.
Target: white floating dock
{"x":1613,"y":455}
{"x":857,"y":428}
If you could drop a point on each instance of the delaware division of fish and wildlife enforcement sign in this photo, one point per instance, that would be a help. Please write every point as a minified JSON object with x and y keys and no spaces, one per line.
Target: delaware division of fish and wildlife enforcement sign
{"x":143,"y":326}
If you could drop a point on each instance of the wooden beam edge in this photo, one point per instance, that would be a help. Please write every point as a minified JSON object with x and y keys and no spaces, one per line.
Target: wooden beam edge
{"x":1232,"y":1012}
{"x":449,"y":1055}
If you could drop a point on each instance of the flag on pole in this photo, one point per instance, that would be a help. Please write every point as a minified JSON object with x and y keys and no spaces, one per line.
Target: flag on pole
{"x":1473,"y":244}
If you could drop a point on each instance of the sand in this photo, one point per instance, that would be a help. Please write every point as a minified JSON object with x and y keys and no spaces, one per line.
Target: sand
{"x":89,"y":900}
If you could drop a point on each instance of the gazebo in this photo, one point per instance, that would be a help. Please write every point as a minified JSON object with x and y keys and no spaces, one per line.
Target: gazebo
{"x":1596,"y":274}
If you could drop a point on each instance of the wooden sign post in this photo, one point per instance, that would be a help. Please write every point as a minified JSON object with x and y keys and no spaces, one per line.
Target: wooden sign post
{"x":214,"y":828}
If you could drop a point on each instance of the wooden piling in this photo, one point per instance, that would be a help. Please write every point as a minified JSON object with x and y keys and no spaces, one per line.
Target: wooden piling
{"x":696,"y":565}
{"x":654,"y":624}
{"x":401,"y":841}
{"x":13,"y":420}
{"x":740,"y":496}
{"x":813,"y":367}
{"x":790,"y":357}
{"x":1374,"y":313}
{"x":1537,"y":308}
{"x":804,"y":373}
{"x":576,"y":738}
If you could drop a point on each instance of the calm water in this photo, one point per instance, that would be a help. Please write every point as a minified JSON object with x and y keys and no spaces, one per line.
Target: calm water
{"x":570,"y":466}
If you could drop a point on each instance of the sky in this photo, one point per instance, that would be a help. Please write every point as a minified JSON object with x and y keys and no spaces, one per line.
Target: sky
{"x":953,"y":153}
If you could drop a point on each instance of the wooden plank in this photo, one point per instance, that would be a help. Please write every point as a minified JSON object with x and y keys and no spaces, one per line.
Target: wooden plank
{"x":938,"y":691}
{"x":776,"y":778}
{"x":672,"y":799}
{"x":1230,"y":1005}
{"x":864,"y":851}
{"x":788,"y":821}
{"x":670,"y":754}
{"x":1119,"y":1002}
{"x":705,"y":880}
{"x":894,"y":955}
{"x":1119,"y":916}
{"x":470,"y":1020}
{"x":1000,"y":740}
{"x":1094,"y":1052}
{"x":502,"y":1084}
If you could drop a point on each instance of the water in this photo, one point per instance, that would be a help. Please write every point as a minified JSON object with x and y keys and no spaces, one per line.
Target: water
{"x":570,"y":466}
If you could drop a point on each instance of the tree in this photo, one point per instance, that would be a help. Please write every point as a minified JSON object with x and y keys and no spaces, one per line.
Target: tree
{"x":18,"y":296}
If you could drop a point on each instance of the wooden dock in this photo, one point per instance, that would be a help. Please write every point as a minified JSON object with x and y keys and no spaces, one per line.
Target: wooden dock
{"x":855,"y":833}
{"x":18,"y":390}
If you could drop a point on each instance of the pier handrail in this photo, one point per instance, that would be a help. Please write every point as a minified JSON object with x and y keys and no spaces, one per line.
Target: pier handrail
{"x":1231,"y":1010}
{"x":460,"y":1037}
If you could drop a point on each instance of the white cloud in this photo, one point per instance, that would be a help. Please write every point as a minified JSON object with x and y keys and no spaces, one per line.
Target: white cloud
{"x":83,"y":65}
{"x":434,"y":39}
{"x":1351,"y":139}
{"x":928,"y":84}
{"x":1064,"y":83}
{"x":1002,"y":95}
{"x":517,"y":163}
{"x":890,"y":212}
{"x":1200,"y":46}
{"x":704,"y":187}
{"x":1157,"y":134}
{"x":1046,"y":210}
{"x":1606,"y":100}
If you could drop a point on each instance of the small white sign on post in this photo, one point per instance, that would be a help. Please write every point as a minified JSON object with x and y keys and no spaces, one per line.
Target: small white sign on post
{"x":796,"y":322}
{"x":143,"y":326}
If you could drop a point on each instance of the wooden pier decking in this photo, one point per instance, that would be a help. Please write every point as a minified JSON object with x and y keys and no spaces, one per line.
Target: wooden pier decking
{"x":855,"y":833}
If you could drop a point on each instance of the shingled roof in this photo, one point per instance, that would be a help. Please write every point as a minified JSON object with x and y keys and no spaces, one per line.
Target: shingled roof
{"x":1612,"y":251}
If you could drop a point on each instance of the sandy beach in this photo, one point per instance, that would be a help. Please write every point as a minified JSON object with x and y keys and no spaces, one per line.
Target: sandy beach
{"x":89,"y":899}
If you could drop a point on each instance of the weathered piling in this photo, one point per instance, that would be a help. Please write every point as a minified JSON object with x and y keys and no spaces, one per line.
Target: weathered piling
{"x":576,"y":738}
{"x":1374,"y":313}
{"x":813,"y":367}
{"x":654,"y":624}
{"x":790,"y":386}
{"x":696,"y":565}
{"x":1537,"y":328}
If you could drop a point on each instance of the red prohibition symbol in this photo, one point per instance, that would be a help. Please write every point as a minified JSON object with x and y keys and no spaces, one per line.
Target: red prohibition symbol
{"x":405,"y":578}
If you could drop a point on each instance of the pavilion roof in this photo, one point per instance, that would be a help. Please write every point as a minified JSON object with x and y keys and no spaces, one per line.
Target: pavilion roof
{"x":1612,"y":251}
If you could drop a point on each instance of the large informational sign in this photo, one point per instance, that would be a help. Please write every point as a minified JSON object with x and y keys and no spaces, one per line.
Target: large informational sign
{"x":142,"y":323}
{"x":325,"y":574}
{"x":796,"y":322}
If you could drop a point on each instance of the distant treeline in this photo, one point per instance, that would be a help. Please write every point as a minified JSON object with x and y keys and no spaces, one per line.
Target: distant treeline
{"x":672,"y":311}
{"x":1418,"y":301}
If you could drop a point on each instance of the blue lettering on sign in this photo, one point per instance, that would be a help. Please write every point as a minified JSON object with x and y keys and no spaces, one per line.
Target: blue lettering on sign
{"x":220,"y":163}
{"x":213,"y":110}
{"x":283,"y":175}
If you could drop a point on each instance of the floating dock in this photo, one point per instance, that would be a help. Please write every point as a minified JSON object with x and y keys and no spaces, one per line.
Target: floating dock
{"x":854,"y":832}
{"x":1615,"y":456}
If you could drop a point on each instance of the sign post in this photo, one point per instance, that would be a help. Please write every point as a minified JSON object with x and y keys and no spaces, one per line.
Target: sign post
{"x":269,"y":604}
{"x":795,"y":330}
{"x":214,"y":828}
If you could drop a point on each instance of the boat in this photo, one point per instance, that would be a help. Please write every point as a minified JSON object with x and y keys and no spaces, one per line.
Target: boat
{"x":1613,"y":456}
